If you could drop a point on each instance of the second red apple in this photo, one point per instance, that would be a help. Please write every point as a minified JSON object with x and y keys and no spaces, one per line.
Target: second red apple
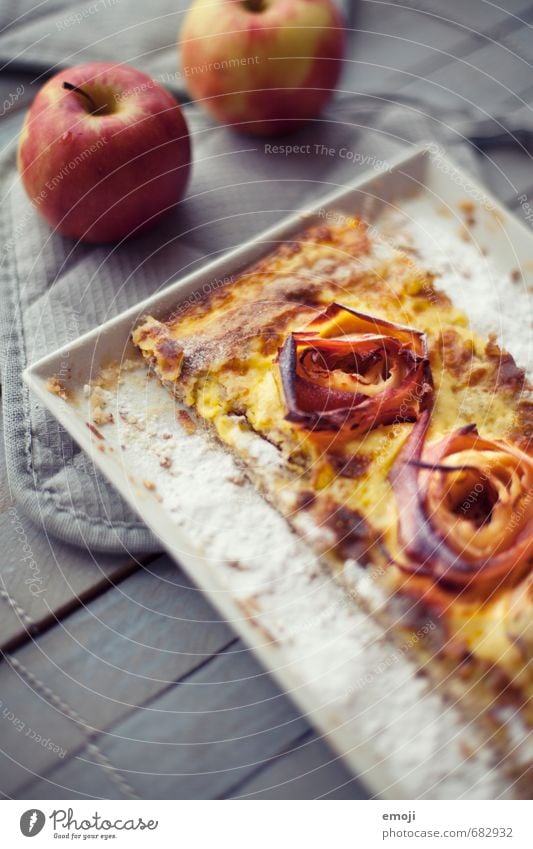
{"x":262,"y":66}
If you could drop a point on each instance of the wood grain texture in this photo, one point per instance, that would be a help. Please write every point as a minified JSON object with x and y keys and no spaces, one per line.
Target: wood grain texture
{"x":195,"y":741}
{"x":307,"y":770}
{"x":41,"y":580}
{"x":106,"y":660}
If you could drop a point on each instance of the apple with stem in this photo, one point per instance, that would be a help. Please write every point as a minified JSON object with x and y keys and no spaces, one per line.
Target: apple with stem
{"x":262,"y":66}
{"x":104,"y":152}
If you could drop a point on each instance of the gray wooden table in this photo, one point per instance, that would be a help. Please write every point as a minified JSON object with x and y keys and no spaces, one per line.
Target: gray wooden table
{"x":122,"y":682}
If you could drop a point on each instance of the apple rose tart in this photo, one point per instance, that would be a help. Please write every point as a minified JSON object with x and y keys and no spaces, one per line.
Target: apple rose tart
{"x":465,"y":507}
{"x":346,"y":373}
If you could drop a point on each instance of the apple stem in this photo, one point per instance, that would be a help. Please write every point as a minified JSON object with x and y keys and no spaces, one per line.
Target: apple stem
{"x":70,"y":87}
{"x":255,"y":5}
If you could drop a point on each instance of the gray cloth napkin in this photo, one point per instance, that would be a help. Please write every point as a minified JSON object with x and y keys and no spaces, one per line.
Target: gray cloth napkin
{"x":53,"y":290}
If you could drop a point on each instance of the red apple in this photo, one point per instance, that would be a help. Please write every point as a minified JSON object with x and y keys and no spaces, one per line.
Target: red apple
{"x":263,"y":66}
{"x":104,"y":152}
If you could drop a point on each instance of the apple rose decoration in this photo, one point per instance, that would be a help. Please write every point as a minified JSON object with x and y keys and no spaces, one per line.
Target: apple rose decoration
{"x":465,"y":510}
{"x":346,"y":373}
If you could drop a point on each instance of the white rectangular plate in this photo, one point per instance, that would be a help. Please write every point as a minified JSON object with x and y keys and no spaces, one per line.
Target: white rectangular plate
{"x":330,"y":656}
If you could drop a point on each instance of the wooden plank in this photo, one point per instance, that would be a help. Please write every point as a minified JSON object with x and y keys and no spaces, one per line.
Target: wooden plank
{"x":307,"y":770}
{"x":42,"y":579}
{"x":103,"y":662}
{"x":77,"y":779}
{"x":27,"y":719}
{"x":197,"y":740}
